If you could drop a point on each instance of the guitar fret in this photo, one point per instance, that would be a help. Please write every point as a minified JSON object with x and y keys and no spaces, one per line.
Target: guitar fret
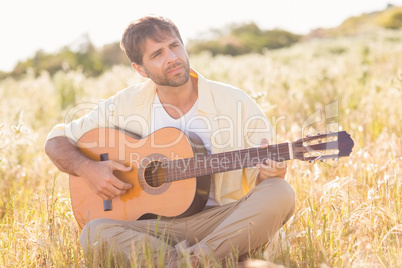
{"x":231,"y":153}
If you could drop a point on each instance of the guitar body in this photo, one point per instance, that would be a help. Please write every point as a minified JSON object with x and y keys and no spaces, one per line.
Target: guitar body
{"x":150,"y":195}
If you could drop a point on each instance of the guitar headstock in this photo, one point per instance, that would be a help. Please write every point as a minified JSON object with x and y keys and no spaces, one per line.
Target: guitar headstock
{"x":323,"y":146}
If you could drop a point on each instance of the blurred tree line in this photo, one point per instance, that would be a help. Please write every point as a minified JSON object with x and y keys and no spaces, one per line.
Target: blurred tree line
{"x":91,"y":60}
{"x":241,"y":39}
{"x":389,"y":18}
{"x":236,"y":39}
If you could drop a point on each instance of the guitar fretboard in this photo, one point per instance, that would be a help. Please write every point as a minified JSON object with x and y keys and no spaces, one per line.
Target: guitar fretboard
{"x":201,"y":164}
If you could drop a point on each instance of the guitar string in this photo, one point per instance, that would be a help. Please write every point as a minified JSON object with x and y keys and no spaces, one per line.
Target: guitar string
{"x":175,"y":166}
{"x":174,"y":171}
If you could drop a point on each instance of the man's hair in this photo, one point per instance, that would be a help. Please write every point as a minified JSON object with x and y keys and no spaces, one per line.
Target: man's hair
{"x":155,"y":27}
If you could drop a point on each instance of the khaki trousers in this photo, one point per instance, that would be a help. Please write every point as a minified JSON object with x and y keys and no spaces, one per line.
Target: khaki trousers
{"x":242,"y":226}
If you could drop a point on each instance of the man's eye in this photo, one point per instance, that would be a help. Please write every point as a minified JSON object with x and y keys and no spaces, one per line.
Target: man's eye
{"x":156,"y":55}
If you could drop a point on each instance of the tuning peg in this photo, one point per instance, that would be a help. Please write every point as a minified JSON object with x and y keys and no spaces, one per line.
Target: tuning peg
{"x":323,"y":160}
{"x":335,"y":158}
{"x":311,"y":161}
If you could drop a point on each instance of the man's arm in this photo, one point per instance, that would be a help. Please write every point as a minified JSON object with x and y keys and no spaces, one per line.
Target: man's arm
{"x":98,"y":174}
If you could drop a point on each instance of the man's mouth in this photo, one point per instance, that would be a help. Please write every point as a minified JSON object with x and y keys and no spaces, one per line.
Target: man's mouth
{"x":175,"y":69}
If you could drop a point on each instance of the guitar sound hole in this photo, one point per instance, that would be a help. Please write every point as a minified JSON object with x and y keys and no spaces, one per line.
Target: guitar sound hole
{"x":155,"y":174}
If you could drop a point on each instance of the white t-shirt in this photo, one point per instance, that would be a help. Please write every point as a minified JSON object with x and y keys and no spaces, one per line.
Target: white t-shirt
{"x":190,"y":122}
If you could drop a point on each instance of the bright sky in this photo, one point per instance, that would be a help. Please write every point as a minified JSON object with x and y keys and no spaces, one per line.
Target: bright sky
{"x":27,"y":26}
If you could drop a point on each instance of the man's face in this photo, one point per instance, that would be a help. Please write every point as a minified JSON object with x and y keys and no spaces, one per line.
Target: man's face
{"x":166,"y":62}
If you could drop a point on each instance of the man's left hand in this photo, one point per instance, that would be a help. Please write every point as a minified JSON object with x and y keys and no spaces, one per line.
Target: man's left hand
{"x":270,"y":168}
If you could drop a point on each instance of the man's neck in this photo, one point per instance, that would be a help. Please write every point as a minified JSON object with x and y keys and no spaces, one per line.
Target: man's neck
{"x":178,"y":101}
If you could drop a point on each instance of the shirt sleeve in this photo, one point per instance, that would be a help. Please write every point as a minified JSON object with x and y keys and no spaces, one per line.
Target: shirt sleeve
{"x":97,"y":117}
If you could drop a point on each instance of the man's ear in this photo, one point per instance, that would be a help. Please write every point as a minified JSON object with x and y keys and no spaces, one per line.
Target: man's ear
{"x":139,"y":69}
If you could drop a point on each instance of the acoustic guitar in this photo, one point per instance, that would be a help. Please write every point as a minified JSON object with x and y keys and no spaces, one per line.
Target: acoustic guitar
{"x":171,"y":172}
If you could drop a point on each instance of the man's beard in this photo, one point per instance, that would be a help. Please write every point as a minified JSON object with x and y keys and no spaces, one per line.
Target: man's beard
{"x":174,"y":81}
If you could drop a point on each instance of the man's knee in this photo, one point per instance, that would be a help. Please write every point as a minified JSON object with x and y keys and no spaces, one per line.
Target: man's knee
{"x":277,"y":192}
{"x":91,"y":233}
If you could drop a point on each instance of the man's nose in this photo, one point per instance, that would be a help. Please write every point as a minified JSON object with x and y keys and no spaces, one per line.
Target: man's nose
{"x":171,"y":56}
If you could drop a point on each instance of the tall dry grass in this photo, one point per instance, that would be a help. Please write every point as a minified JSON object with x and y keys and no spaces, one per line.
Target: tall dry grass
{"x":348,"y":212}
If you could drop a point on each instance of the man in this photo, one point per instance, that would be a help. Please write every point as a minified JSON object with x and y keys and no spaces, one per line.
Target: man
{"x":246,"y":207}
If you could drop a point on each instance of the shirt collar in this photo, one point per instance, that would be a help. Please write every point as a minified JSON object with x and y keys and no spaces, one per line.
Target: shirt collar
{"x":206,"y":102}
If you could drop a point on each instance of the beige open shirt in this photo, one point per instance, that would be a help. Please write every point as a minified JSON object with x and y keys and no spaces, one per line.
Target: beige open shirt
{"x":235,"y":121}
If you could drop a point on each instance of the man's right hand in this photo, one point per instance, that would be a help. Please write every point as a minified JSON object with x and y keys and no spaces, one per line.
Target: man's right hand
{"x":98,"y":174}
{"x":100,"y":178}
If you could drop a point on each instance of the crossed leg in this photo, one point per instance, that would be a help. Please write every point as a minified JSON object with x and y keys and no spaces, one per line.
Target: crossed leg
{"x":242,"y":226}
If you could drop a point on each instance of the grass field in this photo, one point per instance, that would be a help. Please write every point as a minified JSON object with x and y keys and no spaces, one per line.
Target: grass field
{"x":348,"y":213}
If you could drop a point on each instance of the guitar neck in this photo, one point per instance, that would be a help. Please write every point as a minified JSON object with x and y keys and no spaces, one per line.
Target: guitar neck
{"x":201,"y":164}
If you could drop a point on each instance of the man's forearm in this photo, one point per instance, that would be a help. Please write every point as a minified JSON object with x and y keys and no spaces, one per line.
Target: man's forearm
{"x":65,"y":155}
